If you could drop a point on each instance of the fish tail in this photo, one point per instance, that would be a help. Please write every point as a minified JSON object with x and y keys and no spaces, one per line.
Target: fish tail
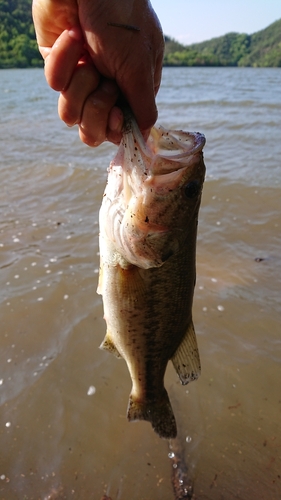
{"x":158,"y":412}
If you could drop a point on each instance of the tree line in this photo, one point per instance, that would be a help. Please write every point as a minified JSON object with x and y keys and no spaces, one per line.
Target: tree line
{"x":18,"y":47}
{"x":261,"y":49}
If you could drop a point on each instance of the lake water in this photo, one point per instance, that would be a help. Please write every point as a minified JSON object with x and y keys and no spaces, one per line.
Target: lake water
{"x":63,"y":427}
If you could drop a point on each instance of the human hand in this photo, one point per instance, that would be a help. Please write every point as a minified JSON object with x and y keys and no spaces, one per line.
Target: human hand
{"x":122,"y":61}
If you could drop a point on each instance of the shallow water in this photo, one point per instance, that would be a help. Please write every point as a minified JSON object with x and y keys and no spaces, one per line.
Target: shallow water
{"x":63,"y":427}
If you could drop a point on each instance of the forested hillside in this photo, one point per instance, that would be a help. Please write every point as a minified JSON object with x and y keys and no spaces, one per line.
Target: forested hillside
{"x":262,"y":49}
{"x":18,"y":48}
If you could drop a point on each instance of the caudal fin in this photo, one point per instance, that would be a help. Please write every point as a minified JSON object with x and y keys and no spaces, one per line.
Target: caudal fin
{"x":158,"y":412}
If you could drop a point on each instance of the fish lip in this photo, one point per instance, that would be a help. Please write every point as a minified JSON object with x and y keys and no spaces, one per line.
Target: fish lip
{"x":190,"y":143}
{"x":198,"y":140}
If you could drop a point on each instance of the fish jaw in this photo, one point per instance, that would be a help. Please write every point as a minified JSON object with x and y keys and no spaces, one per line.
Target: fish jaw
{"x":145,"y":199}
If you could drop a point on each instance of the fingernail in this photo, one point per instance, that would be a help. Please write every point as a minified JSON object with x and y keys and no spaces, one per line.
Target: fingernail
{"x":115,"y":120}
{"x":145,"y":134}
{"x":75,"y":33}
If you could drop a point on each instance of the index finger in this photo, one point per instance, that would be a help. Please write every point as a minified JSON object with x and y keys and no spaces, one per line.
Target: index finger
{"x":63,"y":58}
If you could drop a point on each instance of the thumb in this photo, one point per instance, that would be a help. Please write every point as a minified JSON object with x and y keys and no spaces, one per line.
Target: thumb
{"x":139,"y":91}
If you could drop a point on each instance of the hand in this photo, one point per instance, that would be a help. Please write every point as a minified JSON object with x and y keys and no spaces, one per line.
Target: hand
{"x":92,"y":62}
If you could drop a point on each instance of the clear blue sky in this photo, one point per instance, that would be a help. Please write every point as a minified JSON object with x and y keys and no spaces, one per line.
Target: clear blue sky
{"x":191,"y":21}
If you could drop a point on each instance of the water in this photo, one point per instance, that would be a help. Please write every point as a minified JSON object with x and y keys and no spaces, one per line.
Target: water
{"x":63,"y":427}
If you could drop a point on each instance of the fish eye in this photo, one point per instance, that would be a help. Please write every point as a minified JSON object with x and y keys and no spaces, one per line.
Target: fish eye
{"x":192,"y":189}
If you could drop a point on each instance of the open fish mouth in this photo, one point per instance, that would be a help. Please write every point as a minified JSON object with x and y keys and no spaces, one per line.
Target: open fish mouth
{"x":165,"y":151}
{"x":177,"y":144}
{"x":156,"y":168}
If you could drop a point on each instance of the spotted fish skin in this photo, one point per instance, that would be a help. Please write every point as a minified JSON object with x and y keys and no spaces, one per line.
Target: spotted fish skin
{"x":148,"y":228}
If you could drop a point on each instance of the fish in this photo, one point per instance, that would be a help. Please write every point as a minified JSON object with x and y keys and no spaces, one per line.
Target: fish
{"x":148,"y":228}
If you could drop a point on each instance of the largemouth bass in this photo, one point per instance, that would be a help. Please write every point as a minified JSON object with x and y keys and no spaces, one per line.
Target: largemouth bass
{"x":148,"y":226}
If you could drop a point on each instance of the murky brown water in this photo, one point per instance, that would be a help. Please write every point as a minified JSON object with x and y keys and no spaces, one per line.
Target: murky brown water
{"x":63,"y":427}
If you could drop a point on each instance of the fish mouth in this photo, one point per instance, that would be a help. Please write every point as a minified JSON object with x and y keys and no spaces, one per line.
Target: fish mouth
{"x":173,"y":151}
{"x":162,"y":141}
{"x":164,"y":152}
{"x":177,"y":144}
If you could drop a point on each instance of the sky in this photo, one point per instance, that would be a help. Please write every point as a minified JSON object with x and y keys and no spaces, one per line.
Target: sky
{"x":192,"y":21}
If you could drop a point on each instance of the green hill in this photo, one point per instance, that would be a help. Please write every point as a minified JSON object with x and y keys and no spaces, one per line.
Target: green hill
{"x":18,"y":48}
{"x":261,"y":49}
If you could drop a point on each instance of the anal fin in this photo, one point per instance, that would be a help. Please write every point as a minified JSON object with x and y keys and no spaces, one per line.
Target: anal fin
{"x":186,"y":359}
{"x":108,"y":345}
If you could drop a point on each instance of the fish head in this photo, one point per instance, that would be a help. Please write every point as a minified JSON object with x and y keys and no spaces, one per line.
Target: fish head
{"x":157,"y":191}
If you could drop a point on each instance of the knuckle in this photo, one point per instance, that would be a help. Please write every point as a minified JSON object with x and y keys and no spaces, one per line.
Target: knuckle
{"x":67,"y":113}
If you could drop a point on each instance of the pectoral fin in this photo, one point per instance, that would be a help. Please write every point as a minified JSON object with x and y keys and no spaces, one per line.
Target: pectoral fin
{"x":108,"y":345}
{"x":186,"y":359}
